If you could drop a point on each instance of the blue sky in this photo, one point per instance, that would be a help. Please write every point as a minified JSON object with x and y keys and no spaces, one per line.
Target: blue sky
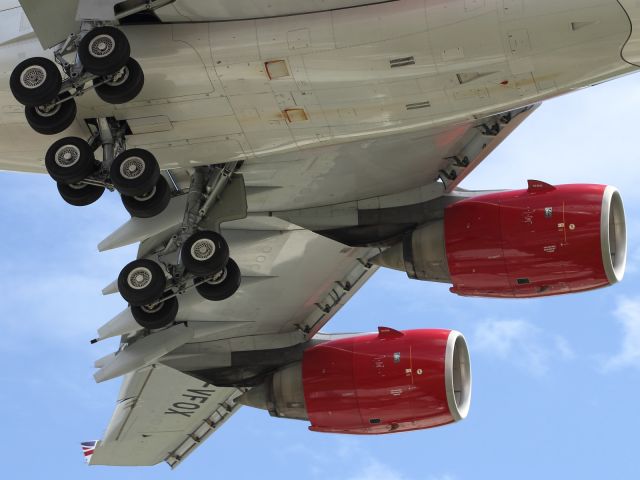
{"x":556,"y":381}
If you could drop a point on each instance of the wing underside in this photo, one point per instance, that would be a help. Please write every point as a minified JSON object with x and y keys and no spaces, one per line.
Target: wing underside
{"x":162,"y":415}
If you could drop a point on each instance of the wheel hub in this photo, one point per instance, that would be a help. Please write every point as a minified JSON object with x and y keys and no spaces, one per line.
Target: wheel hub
{"x":33,"y":77}
{"x":119,"y":78}
{"x":152,"y":308}
{"x":67,"y":156}
{"x":139,"y":278}
{"x":146,"y":196}
{"x":101,"y":46}
{"x":48,"y":110}
{"x":218,"y":278}
{"x":203,"y":249}
{"x":132,"y":168}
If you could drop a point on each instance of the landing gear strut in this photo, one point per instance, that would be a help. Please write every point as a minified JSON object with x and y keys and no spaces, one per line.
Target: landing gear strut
{"x":195,"y":257}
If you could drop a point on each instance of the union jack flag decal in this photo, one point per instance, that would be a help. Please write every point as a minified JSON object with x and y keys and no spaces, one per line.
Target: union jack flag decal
{"x":87,"y":449}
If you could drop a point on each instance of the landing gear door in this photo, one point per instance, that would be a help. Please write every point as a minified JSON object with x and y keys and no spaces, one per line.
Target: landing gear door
{"x":52,"y":21}
{"x":231,"y":206}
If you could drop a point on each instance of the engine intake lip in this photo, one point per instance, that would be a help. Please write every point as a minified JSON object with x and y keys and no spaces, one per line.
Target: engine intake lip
{"x":457,"y":376}
{"x":613,"y":235}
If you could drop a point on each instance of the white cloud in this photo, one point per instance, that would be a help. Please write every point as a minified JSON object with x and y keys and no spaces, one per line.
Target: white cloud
{"x":375,"y":470}
{"x":523,"y":344}
{"x":321,"y":462}
{"x":628,"y":313}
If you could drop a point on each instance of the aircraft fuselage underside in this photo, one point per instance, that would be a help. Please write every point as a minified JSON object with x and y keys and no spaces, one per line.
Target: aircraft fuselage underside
{"x":317,"y":105}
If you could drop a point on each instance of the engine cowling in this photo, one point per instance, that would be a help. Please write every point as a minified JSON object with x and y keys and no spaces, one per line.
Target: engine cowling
{"x":375,"y":383}
{"x":544,"y":240}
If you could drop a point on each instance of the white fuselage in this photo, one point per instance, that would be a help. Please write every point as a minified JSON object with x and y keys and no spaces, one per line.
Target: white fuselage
{"x":340,"y":98}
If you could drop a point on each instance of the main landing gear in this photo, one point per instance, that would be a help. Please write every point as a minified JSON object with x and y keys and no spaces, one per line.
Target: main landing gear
{"x":196,"y":256}
{"x":102,"y":62}
{"x":134,"y":173}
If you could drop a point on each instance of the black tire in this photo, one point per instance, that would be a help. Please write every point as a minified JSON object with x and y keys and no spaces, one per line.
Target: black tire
{"x":53,"y":121}
{"x":70,"y":160}
{"x":150,"y":204}
{"x":125,"y":86}
{"x":108,"y":60}
{"x":80,"y":195}
{"x":221,"y":286}
{"x":142,"y":282}
{"x":205,"y":253}
{"x":35,"y":81}
{"x":135,"y":172}
{"x":156,"y":316}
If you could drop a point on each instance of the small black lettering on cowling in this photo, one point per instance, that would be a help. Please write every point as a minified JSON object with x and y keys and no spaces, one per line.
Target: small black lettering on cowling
{"x":196,"y":398}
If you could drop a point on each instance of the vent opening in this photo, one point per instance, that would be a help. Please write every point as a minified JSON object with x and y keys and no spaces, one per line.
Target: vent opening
{"x":402,"y":62}
{"x":417,"y":105}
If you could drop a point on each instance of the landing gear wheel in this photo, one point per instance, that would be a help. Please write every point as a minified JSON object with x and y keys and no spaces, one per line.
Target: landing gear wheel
{"x":149,"y":204}
{"x":79,"y":194}
{"x":70,"y":160}
{"x":142,"y":282}
{"x":104,"y":51}
{"x":35,"y":81}
{"x":205,"y":253}
{"x":51,"y":119}
{"x":135,"y":172}
{"x":222,"y":285}
{"x":156,"y":315}
{"x":125,"y":85}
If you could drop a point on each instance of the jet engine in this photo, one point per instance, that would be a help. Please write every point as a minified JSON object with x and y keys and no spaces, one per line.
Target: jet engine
{"x":374,"y":383}
{"x":544,"y":240}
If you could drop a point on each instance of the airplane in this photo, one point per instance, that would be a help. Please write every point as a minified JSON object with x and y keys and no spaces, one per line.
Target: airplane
{"x":272,"y":157}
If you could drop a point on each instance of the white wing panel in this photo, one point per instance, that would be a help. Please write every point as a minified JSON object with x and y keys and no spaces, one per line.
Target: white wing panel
{"x":162,"y":414}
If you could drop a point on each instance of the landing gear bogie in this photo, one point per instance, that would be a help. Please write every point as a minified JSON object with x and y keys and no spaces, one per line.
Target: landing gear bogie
{"x":135,"y":173}
{"x":193,"y":257}
{"x":103,"y":62}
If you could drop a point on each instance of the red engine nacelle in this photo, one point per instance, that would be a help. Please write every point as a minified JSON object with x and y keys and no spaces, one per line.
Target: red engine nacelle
{"x":540,"y":241}
{"x":390,"y":382}
{"x":374,"y":383}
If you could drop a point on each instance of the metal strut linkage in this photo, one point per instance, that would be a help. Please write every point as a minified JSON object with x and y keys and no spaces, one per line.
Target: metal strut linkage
{"x":78,"y":81}
{"x":110,"y":135}
{"x":207,"y":184}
